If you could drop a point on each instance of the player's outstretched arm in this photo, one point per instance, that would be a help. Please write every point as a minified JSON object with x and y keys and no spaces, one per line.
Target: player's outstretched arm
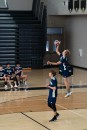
{"x":53,"y":63}
{"x":57,"y":44}
{"x":53,"y":88}
{"x":57,"y":50}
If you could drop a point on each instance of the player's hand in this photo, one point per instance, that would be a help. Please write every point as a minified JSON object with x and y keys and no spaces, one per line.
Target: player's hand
{"x":57,"y":43}
{"x":46,"y":85}
{"x":48,"y":63}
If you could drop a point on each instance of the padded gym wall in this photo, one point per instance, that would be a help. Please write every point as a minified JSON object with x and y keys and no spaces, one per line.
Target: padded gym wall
{"x":60,"y":7}
{"x":19,"y":4}
{"x":76,"y":39}
{"x":75,"y":36}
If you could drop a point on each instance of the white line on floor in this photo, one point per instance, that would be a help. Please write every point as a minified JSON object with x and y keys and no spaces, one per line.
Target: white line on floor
{"x":71,"y":111}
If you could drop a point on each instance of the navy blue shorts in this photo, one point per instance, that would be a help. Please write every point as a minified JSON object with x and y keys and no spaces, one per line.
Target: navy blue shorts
{"x":52,"y":100}
{"x":66,"y":73}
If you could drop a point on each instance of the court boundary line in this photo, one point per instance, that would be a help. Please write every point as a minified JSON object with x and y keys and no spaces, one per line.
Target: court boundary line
{"x":70,"y":110}
{"x":35,"y":121}
{"x":76,"y":113}
{"x":46,"y":101}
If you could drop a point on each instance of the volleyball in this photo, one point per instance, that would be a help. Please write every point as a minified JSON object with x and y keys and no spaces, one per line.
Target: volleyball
{"x":57,"y":43}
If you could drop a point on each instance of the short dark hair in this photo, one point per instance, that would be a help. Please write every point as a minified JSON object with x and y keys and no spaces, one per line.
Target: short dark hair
{"x":7,"y":63}
{"x":17,"y":63}
{"x":53,"y":72}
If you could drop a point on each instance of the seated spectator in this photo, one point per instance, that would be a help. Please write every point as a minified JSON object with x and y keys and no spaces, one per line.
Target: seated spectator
{"x":19,"y":74}
{"x":10,"y":75}
{"x":2,"y":76}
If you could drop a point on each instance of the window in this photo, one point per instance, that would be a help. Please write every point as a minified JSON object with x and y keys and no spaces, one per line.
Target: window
{"x":47,"y":46}
{"x":52,"y":35}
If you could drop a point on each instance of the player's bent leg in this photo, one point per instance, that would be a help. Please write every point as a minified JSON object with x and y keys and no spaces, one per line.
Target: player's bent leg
{"x":9,"y":81}
{"x":67,"y":87}
{"x":18,"y":80}
{"x":15,"y":82}
{"x":5,"y":83}
{"x":25,"y":77}
{"x":56,"y":115}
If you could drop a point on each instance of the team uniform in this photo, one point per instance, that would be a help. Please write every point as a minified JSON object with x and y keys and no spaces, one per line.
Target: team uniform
{"x":65,"y":69}
{"x":2,"y":73}
{"x":2,"y":77}
{"x":20,"y":76}
{"x":18,"y":71}
{"x":9,"y":72}
{"x":52,"y":94}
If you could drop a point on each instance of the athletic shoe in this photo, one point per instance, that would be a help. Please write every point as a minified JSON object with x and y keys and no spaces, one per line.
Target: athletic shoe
{"x":25,"y":83}
{"x":57,"y":115}
{"x":6,"y":87}
{"x":68,"y":94}
{"x":53,"y":119}
{"x":16,"y":86}
{"x":11,"y":86}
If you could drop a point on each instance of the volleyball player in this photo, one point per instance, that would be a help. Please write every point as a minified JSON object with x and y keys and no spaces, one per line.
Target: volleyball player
{"x":9,"y":73}
{"x":64,"y":67}
{"x":52,"y":97}
{"x":2,"y":76}
{"x":19,"y":74}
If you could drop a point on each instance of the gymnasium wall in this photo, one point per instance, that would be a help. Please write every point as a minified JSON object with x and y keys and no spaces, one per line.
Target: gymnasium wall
{"x":55,"y":21}
{"x":76,"y":39}
{"x":19,"y":4}
{"x":75,"y":36}
{"x":57,"y":7}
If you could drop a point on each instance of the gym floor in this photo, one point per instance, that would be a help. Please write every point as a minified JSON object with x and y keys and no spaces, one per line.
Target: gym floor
{"x":27,"y":109}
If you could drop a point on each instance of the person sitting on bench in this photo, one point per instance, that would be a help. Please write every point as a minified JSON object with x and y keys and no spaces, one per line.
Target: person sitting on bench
{"x":19,"y":74}
{"x":9,"y":73}
{"x":2,"y":76}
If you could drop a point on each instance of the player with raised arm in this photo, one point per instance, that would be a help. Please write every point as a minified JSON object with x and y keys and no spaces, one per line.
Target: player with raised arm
{"x":64,"y":67}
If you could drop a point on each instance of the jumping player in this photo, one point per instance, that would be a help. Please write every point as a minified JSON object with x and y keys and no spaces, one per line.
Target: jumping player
{"x":53,"y":94}
{"x":64,"y":67}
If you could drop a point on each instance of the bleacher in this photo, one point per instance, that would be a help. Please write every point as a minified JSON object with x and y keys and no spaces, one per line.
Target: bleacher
{"x":23,"y":36}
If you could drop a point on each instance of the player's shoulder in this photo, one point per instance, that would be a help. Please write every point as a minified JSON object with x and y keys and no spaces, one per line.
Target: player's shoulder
{"x":54,"y":79}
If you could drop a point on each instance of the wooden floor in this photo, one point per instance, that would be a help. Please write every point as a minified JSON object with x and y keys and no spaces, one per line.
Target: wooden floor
{"x":28,"y":110}
{"x":39,"y":103}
